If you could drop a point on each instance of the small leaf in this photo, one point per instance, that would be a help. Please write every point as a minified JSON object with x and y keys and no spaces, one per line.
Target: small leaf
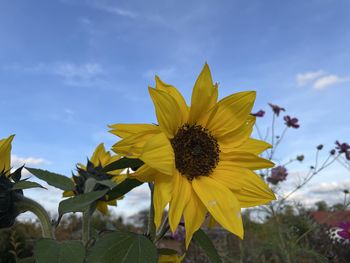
{"x":123,"y":247}
{"x":26,"y":185}
{"x":79,"y":203}
{"x":166,"y":251}
{"x":57,"y":180}
{"x":48,"y":250}
{"x":124,"y":187}
{"x":123,"y":163}
{"x":205,"y":243}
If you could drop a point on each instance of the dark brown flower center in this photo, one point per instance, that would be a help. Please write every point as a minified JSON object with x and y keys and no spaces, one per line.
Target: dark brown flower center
{"x":196,"y":151}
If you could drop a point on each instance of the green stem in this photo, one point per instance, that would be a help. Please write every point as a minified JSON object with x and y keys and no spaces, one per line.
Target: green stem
{"x":151,"y":225}
{"x":25,"y":204}
{"x":86,"y":231}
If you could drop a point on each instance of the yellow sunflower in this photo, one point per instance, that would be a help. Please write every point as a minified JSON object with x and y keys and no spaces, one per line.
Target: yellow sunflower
{"x":5,"y":154}
{"x":99,"y":159}
{"x":201,"y":158}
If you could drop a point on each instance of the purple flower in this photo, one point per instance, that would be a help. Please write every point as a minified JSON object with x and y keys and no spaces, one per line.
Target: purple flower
{"x":344,"y":230}
{"x":343,"y":148}
{"x":276,"y":109}
{"x":278,"y":174}
{"x":260,"y":113}
{"x":291,"y":122}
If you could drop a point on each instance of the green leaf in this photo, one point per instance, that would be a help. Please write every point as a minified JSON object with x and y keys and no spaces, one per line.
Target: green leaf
{"x":48,"y":250}
{"x":124,"y":187}
{"x":110,"y":184}
{"x":26,"y":185}
{"x":57,"y":180}
{"x":26,"y":260}
{"x":79,"y":203}
{"x":123,"y":247}
{"x":123,"y":163}
{"x":166,"y":251}
{"x":205,"y":243}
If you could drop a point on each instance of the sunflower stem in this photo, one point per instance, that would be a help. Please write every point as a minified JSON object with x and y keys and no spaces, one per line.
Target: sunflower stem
{"x":151,"y":226}
{"x":86,"y":226}
{"x":25,"y":204}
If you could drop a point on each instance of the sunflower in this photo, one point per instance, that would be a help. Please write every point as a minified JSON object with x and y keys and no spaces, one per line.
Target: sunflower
{"x":99,"y":159}
{"x":8,"y":196}
{"x":201,"y":158}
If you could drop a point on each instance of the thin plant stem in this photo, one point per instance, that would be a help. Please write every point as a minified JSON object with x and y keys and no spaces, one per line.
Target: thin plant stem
{"x":151,"y":225}
{"x":25,"y":204}
{"x":86,"y":226}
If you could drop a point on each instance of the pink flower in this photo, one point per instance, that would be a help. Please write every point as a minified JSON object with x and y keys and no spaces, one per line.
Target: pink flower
{"x":260,"y":113}
{"x":276,"y":109}
{"x":291,"y":122}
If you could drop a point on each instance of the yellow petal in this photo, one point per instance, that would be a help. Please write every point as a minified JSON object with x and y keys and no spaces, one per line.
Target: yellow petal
{"x":163,"y":187}
{"x":5,"y":154}
{"x":194,"y":215}
{"x":246,"y":160}
{"x":170,"y":258}
{"x":102,"y":207}
{"x":144,"y":174}
{"x":125,"y":130}
{"x":112,"y":202}
{"x":220,"y":202}
{"x":132,"y":145}
{"x":158,"y":154}
{"x":180,"y":197}
{"x":230,"y":113}
{"x":168,"y":112}
{"x":211,"y":222}
{"x":204,"y":96}
{"x":237,"y":137}
{"x":243,"y":182}
{"x":175,"y":94}
{"x":68,"y":193}
{"x":254,"y":146}
{"x":99,"y":155}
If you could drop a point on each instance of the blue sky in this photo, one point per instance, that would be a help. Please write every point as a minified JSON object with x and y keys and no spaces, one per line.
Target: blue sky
{"x":68,"y":68}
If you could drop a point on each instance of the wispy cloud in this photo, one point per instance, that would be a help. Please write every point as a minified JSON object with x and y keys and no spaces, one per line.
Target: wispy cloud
{"x":327,"y":81}
{"x":78,"y":74}
{"x":319,"y":80}
{"x":113,"y":9}
{"x":17,"y":161}
{"x":72,"y":74}
{"x":304,"y":78}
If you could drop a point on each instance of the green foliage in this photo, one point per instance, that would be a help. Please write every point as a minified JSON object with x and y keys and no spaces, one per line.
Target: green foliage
{"x":123,"y":163}
{"x":124,"y":187}
{"x":79,"y":203}
{"x":48,"y":250}
{"x":20,"y":185}
{"x":207,"y":245}
{"x":57,"y":180}
{"x":123,"y":247}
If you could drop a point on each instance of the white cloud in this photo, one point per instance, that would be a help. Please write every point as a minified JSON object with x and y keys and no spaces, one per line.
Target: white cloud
{"x":116,"y":10}
{"x":78,"y":74}
{"x":17,"y":161}
{"x":73,"y":74}
{"x":304,"y":78}
{"x":327,"y":81}
{"x":319,"y":80}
